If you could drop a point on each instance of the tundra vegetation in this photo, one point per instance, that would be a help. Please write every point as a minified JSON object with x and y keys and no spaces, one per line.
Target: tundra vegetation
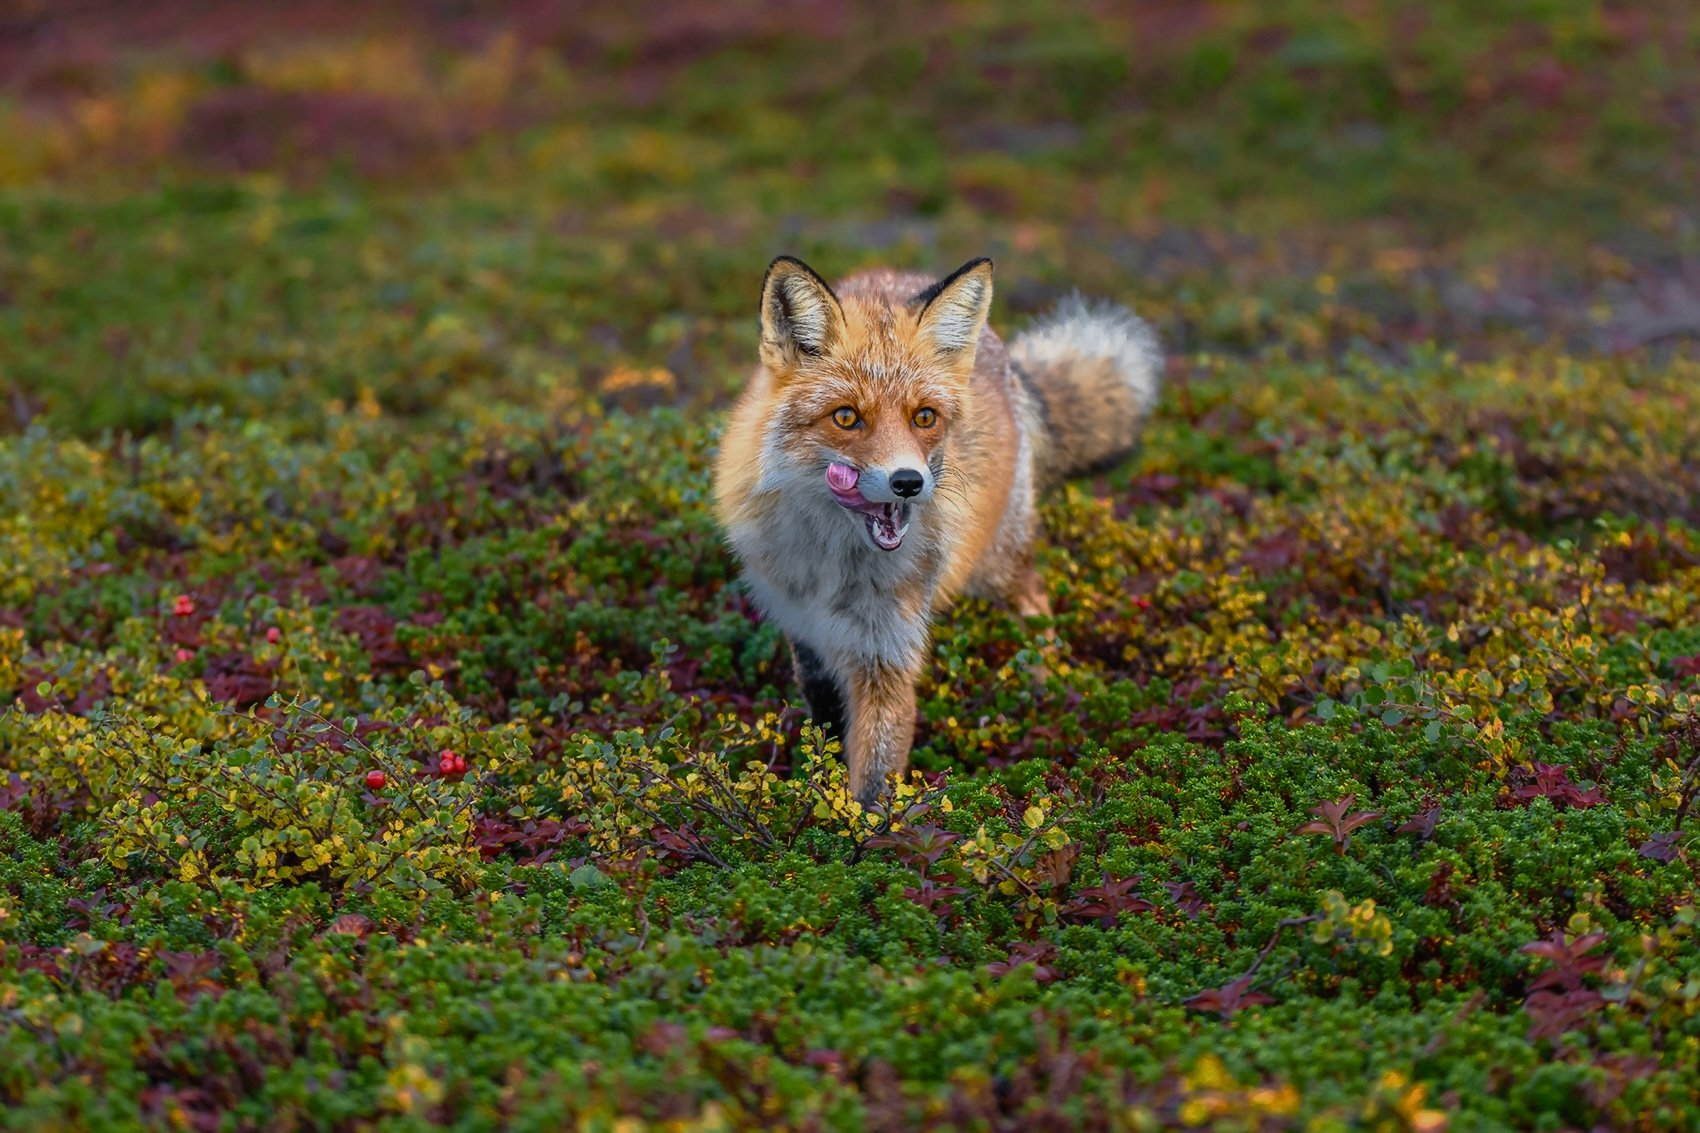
{"x":389,"y":744}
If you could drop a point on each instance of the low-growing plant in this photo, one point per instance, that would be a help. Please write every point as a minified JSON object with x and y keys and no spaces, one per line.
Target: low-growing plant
{"x":291,"y":796}
{"x":386,"y":739}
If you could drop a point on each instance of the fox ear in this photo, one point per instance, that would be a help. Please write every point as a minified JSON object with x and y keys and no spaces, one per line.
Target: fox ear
{"x":952,"y":311}
{"x":800,"y":316}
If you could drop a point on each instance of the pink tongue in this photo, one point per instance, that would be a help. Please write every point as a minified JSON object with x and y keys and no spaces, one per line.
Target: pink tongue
{"x":841,"y":477}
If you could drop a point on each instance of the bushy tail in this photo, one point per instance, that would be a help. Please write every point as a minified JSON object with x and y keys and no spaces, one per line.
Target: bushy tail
{"x":1093,"y":368}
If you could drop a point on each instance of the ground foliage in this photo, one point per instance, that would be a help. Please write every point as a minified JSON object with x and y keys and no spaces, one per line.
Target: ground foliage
{"x":391,"y":746}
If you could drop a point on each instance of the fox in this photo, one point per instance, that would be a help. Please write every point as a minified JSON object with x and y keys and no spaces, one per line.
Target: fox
{"x":888,"y":455}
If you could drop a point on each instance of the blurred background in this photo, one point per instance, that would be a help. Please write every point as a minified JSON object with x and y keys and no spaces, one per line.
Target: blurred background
{"x":279,"y":207}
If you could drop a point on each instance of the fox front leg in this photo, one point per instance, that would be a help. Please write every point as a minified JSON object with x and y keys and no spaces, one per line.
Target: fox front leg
{"x":882,"y":725}
{"x":821,"y":689}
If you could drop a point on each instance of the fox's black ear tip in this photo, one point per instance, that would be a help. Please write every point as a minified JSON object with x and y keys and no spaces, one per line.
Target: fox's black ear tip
{"x":972,"y":267}
{"x":791,"y":263}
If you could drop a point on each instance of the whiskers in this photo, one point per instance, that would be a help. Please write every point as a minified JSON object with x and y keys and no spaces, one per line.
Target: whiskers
{"x":950,"y":484}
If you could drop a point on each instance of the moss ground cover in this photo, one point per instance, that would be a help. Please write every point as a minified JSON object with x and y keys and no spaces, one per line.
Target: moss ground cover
{"x":389,"y":744}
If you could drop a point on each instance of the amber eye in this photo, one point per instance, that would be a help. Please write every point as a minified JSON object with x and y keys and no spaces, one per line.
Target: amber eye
{"x":925,"y":418}
{"x":846,"y":417}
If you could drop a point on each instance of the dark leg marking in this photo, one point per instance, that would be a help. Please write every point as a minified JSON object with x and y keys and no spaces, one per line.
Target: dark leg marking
{"x":821,"y":690}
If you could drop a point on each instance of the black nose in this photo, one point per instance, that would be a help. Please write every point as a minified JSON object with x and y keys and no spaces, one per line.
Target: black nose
{"x":906,"y":482}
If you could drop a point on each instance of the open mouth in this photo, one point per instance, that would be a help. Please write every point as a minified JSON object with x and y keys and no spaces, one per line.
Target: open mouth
{"x":887,"y":523}
{"x":887,"y":527}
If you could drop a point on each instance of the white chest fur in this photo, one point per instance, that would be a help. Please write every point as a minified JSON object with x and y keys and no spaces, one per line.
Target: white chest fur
{"x":813,"y":572}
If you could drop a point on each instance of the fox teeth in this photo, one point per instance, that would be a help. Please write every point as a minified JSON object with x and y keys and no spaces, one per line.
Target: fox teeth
{"x":886,"y":534}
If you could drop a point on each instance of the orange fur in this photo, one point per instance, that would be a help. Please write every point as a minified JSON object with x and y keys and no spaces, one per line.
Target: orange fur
{"x":886,"y":346}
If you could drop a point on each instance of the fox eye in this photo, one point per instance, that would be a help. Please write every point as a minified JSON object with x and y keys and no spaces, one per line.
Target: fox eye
{"x":925,"y":418}
{"x":846,"y":418}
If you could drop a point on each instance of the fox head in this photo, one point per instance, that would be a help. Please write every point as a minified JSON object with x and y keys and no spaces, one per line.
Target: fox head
{"x":868,"y":386}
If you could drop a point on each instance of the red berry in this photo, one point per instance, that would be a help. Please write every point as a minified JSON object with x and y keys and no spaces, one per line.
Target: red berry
{"x":184,"y":655}
{"x":272,"y":635}
{"x":375,"y":780}
{"x":446,"y":762}
{"x":184,"y":606}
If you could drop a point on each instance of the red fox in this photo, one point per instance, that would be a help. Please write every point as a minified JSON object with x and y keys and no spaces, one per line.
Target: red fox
{"x":888,"y":454}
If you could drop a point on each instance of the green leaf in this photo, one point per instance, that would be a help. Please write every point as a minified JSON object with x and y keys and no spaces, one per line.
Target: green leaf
{"x":589,"y":877}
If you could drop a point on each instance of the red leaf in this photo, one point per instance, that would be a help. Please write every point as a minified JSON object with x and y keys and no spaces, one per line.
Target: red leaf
{"x":1029,"y":952}
{"x":915,"y":845}
{"x":1186,"y":898}
{"x":1553,"y":1013}
{"x":1423,"y":824}
{"x":1549,"y":781}
{"x":1231,"y":997}
{"x":1108,"y":901}
{"x":1569,"y":960}
{"x":1661,"y":847}
{"x":1335,"y":820}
